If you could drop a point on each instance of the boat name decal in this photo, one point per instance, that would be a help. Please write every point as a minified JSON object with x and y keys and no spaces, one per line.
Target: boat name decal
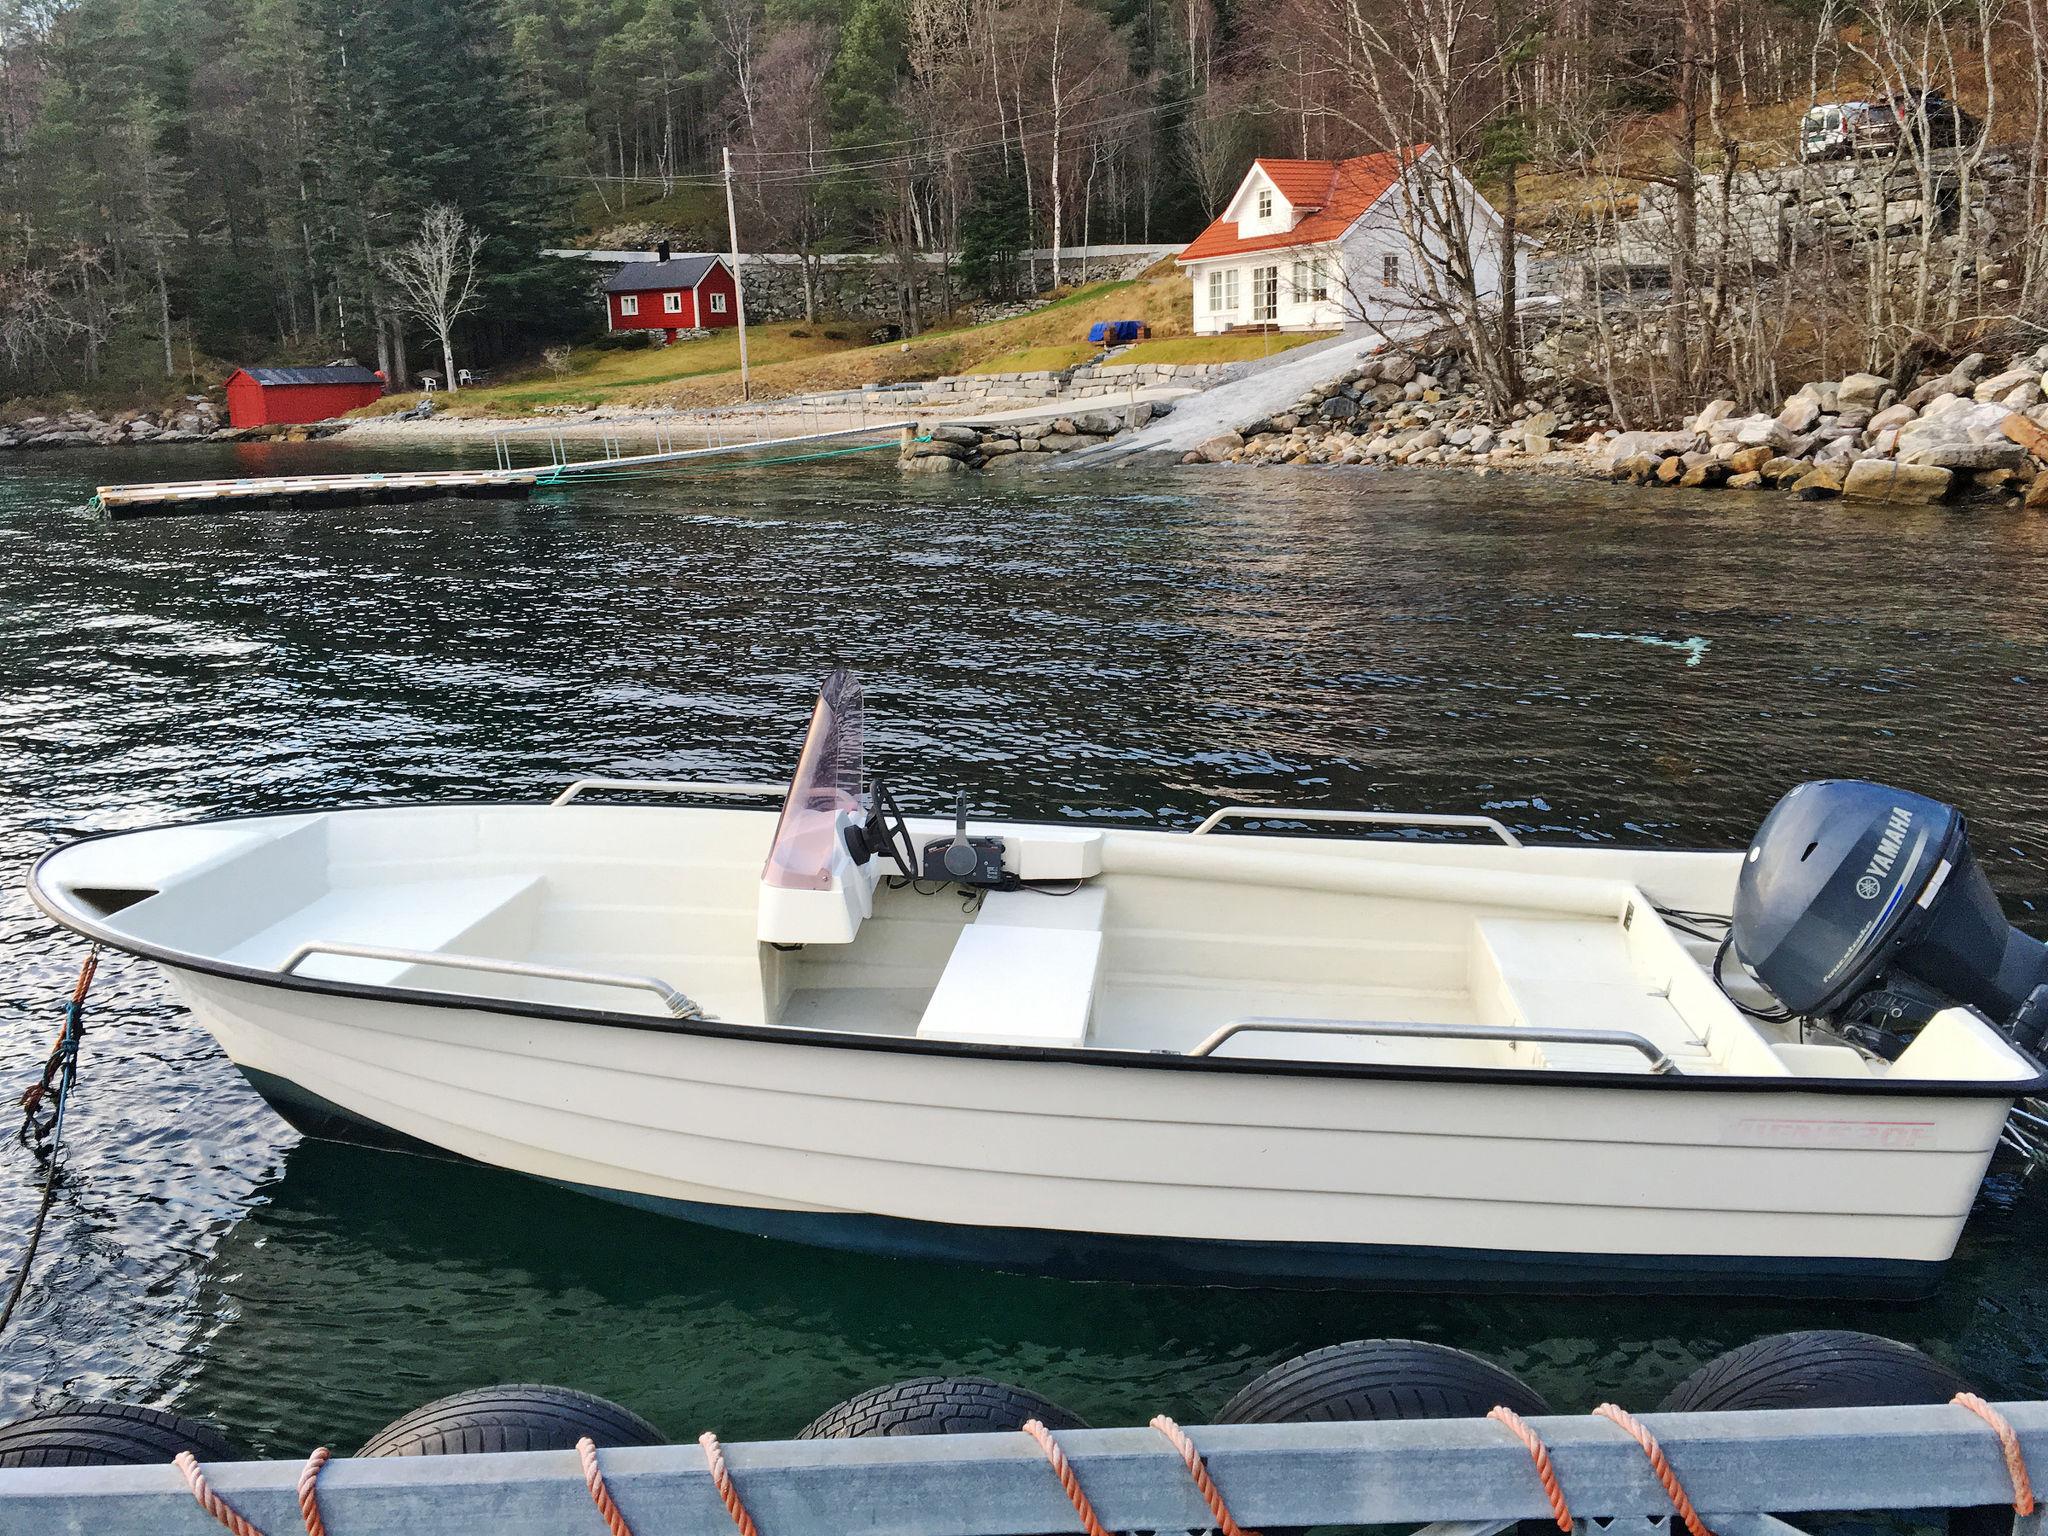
{"x":1762,"y":1131}
{"x":1888,"y":846}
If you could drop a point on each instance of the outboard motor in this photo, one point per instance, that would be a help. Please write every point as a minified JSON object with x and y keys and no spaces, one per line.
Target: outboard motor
{"x":1852,"y":888}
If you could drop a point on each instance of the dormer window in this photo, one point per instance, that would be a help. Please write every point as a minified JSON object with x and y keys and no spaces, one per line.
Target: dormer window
{"x":1265,"y":205}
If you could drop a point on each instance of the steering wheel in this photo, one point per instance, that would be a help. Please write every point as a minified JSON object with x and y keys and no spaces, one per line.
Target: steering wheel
{"x":895,"y":840}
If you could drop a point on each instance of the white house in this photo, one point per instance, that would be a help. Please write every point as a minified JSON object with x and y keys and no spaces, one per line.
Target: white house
{"x":1317,"y":244}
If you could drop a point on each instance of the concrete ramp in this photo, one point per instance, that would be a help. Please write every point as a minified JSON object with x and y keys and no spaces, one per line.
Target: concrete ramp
{"x":1269,"y":386}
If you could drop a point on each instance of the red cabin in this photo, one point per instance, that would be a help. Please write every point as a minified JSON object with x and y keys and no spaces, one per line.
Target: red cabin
{"x":683,"y":293}
{"x":263,"y":397}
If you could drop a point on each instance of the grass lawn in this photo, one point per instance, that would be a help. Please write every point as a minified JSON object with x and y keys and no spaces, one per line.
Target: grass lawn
{"x":1032,"y":359}
{"x":799,"y":359}
{"x":1214,"y":349}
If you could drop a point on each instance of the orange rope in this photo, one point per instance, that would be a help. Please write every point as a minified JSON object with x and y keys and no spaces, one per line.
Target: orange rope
{"x":210,"y":1501}
{"x":1064,"y":1471}
{"x":714,"y":1455}
{"x":600,"y":1495}
{"x":2009,"y":1442}
{"x":309,"y":1492}
{"x":1199,"y":1471}
{"x":1539,"y":1453}
{"x":1681,"y":1502}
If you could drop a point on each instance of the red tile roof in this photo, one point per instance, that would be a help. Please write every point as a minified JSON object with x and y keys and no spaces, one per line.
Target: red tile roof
{"x":1328,"y":194}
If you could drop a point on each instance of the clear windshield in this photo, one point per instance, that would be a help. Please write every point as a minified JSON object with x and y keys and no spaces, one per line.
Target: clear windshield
{"x":826,"y":782}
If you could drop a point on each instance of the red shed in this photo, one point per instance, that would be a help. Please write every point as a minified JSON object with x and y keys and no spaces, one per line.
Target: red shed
{"x":683,"y":293}
{"x":262,"y":397}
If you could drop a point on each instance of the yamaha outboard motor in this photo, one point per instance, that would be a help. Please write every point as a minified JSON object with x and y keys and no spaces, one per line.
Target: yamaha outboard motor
{"x":1850,"y":888}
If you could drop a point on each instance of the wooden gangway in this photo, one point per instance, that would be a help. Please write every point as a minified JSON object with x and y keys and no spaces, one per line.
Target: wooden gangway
{"x":506,"y":478}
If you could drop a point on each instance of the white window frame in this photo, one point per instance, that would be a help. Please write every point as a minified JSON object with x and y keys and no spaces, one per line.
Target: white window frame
{"x":1266,"y":294}
{"x":629,"y":303}
{"x":1223,"y":290}
{"x":672,"y":303}
{"x":1319,"y":279}
{"x":1390,"y":269}
{"x":718,"y":303}
{"x":1265,"y":202}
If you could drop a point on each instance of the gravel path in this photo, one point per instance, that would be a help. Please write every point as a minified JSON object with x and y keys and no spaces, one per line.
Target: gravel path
{"x":1228,"y":406}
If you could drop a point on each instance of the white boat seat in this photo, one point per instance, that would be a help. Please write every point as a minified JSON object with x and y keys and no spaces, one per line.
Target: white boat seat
{"x":1575,"y":974}
{"x":1022,"y":973}
{"x":485,"y":914}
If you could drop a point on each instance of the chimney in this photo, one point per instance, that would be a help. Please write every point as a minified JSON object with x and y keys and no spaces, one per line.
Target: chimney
{"x":661,"y":251}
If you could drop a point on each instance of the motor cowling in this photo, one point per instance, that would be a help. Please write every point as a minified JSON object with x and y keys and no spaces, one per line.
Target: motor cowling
{"x":1848,"y":885}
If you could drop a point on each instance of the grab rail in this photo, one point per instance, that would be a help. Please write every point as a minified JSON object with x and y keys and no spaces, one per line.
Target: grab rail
{"x":1659,"y":1062}
{"x":1384,"y":818}
{"x":673,"y":787}
{"x":678,"y":1003}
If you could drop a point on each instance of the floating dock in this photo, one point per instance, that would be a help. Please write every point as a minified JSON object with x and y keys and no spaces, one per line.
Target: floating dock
{"x":505,"y":479}
{"x":1738,"y":1473}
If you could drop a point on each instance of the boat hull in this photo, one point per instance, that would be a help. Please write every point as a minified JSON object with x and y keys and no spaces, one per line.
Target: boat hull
{"x":1140,"y":1167}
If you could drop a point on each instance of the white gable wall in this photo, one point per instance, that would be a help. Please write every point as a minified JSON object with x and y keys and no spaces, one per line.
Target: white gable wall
{"x":1243,"y":209}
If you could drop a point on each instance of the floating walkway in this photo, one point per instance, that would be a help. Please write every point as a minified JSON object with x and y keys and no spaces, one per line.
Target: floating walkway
{"x":1703,"y":1474}
{"x":506,"y":479}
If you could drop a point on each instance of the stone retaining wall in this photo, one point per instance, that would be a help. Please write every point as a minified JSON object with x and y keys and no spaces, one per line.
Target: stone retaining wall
{"x":954,"y":448}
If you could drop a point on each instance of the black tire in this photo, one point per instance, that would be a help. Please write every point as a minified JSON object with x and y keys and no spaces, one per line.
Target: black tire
{"x":1830,"y":1368}
{"x":1379,"y":1379}
{"x":937,"y":1405}
{"x":108,"y":1435}
{"x":1815,"y":1368}
{"x":510,"y":1418}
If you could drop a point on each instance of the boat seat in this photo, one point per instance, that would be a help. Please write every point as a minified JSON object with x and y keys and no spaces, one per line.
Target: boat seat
{"x":485,"y":914}
{"x":1022,"y":973}
{"x":1575,"y":974}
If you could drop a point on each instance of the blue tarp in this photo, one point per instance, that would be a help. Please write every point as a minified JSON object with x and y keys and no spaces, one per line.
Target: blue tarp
{"x":1116,"y":330}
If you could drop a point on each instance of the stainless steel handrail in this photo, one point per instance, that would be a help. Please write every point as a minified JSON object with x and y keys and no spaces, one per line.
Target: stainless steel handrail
{"x":673,"y":787}
{"x":1659,"y":1062}
{"x":1380,"y":818}
{"x":678,"y":1003}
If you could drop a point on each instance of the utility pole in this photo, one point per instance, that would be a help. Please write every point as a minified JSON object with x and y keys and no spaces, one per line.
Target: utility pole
{"x":739,"y":288}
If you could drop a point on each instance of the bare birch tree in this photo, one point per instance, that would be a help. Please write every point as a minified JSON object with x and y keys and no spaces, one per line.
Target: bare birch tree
{"x":434,"y":275}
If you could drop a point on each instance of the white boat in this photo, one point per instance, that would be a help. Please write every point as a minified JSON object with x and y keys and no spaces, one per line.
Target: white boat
{"x":1260,"y":1057}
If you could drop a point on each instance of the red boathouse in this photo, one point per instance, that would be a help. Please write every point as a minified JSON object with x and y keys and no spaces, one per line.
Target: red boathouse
{"x":263,"y":397}
{"x":681,"y":293}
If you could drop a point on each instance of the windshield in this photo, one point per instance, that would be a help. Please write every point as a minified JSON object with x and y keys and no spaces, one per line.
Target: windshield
{"x":826,"y":782}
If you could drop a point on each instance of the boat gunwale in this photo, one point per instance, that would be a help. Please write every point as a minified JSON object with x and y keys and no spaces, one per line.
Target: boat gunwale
{"x":831,"y":1039}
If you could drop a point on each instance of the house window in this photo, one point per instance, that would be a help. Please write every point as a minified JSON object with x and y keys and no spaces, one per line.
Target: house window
{"x":1319,"y":279}
{"x":1265,"y":293}
{"x":1265,"y":204}
{"x":672,"y":302}
{"x":1390,"y":271}
{"x":1223,"y":291}
{"x":629,"y":304}
{"x":718,"y":303}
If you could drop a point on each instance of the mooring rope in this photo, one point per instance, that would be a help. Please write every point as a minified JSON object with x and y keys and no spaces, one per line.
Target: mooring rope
{"x":2009,"y":1443}
{"x":1063,"y":1469}
{"x":211,"y":1502}
{"x":1198,"y":1469}
{"x":600,"y":1495}
{"x":1539,"y":1453}
{"x":61,"y":1069}
{"x":309,"y":1492}
{"x":721,"y":1475}
{"x":686,"y":466}
{"x":1681,"y":1501}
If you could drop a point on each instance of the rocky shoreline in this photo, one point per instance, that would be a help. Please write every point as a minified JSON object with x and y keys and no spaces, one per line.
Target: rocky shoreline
{"x":1972,"y":428}
{"x":197,"y":422}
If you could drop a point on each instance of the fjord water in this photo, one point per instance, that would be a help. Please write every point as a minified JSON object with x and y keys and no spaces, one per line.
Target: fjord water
{"x":1586,"y":665}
